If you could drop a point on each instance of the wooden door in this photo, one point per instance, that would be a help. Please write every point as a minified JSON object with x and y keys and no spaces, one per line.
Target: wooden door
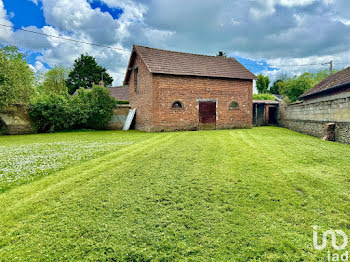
{"x":207,"y":115}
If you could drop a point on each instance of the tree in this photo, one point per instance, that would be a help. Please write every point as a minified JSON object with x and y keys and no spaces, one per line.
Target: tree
{"x":262,"y":84}
{"x":296,"y":86}
{"x":55,"y":81}
{"x":16,"y":78}
{"x":86,"y":72}
{"x":275,"y":88}
{"x":221,"y":53}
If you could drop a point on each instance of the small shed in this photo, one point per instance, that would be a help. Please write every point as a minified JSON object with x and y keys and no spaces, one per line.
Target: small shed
{"x":265,"y":112}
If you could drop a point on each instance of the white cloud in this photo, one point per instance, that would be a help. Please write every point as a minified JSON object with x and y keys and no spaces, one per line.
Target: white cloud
{"x":34,"y":1}
{"x":5,"y":33}
{"x":279,"y":31}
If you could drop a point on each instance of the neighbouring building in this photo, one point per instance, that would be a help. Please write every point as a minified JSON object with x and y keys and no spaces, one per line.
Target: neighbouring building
{"x":265,"y":112}
{"x":120,"y":93}
{"x":325,"y":105}
{"x":182,"y":91}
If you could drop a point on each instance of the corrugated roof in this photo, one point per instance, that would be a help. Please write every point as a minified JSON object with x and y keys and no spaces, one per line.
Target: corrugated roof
{"x":338,"y":79}
{"x":177,"y":63}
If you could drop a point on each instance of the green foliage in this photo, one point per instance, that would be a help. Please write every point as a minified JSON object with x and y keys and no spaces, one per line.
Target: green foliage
{"x":87,"y":109}
{"x":85,"y":73}
{"x":16,"y":78}
{"x":55,"y":81}
{"x":262,"y":84}
{"x":221,"y":53}
{"x":275,"y":88}
{"x":51,"y":113}
{"x":101,"y":107}
{"x":294,"y":87}
{"x":263,"y":97}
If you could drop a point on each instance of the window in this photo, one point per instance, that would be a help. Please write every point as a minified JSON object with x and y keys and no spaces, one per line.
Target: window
{"x":136,"y":79}
{"x":234,"y":105}
{"x":177,"y":104}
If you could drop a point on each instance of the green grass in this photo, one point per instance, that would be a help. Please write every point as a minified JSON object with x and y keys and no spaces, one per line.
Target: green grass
{"x":230,"y":195}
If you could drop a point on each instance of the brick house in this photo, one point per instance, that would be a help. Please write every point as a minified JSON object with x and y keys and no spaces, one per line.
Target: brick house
{"x":182,"y":91}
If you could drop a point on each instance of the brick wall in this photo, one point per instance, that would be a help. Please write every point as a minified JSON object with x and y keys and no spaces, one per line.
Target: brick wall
{"x":311,"y":116}
{"x":157,"y":92}
{"x":142,"y":99}
{"x":189,"y":90}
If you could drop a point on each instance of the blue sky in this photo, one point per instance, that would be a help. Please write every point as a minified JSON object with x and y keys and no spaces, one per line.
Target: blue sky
{"x":258,"y":33}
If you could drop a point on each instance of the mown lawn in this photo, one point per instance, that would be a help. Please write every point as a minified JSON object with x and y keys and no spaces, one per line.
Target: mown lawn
{"x":230,"y":195}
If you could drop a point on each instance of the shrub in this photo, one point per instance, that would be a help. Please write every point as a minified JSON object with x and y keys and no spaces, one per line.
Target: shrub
{"x":91,"y":109}
{"x":101,"y":106}
{"x":51,"y":113}
{"x":263,"y":97}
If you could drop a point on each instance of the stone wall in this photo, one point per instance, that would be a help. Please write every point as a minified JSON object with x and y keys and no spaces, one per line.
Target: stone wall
{"x":119,"y":117}
{"x":310,"y":117}
{"x":16,"y":120}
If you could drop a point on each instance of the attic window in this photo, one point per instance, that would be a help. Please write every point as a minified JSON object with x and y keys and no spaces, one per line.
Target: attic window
{"x":233,"y":105}
{"x":177,"y":104}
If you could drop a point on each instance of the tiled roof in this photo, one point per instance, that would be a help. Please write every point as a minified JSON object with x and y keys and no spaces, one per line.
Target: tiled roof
{"x":177,"y":63}
{"x":338,"y":79}
{"x":120,"y":93}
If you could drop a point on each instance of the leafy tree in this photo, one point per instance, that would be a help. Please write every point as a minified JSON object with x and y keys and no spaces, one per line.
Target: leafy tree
{"x":296,"y":86}
{"x":262,"y":84}
{"x":221,"y":53}
{"x":55,"y":81}
{"x":275,"y":88}
{"x":86,"y":72}
{"x":16,"y":78}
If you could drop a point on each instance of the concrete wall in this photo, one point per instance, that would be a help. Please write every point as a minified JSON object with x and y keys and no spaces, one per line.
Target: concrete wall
{"x":311,"y":116}
{"x":119,"y":117}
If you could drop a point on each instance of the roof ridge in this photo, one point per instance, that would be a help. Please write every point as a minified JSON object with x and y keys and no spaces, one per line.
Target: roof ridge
{"x":329,"y":82}
{"x":179,"y":52}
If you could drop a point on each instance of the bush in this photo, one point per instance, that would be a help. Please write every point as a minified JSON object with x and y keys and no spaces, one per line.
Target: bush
{"x":91,"y":109}
{"x":263,"y":97}
{"x":51,"y":113}
{"x":101,"y":106}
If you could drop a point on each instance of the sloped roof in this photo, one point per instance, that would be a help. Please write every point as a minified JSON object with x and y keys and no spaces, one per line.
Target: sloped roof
{"x":335,"y":80}
{"x":177,"y":63}
{"x":120,"y":93}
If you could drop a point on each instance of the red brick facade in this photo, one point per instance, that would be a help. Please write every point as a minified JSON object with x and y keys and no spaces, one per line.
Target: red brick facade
{"x":155,"y":94}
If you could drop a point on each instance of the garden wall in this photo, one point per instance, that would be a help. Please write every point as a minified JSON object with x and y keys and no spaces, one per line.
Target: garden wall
{"x":16,"y":120}
{"x":310,"y":117}
{"x":119,"y":117}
